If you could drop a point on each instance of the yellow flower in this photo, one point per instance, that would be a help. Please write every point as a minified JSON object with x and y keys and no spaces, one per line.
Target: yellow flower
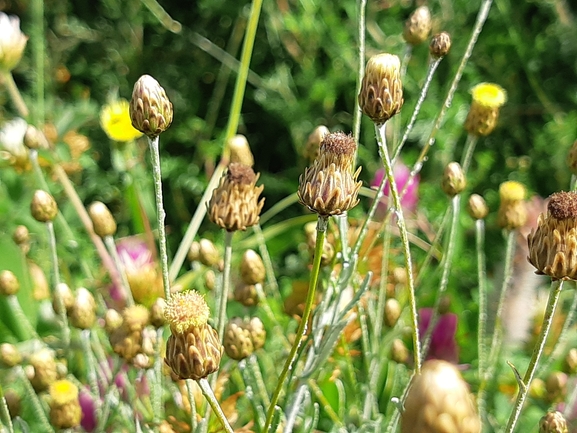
{"x":63,"y":391}
{"x":115,"y":121}
{"x":489,"y":95}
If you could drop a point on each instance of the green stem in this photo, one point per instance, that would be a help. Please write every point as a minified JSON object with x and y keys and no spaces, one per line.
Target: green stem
{"x":231,"y":129}
{"x":189,"y":385}
{"x":90,"y":361}
{"x":162,"y":16}
{"x":322,"y":223}
{"x":18,"y":319}
{"x":5,"y":413}
{"x":38,"y":41}
{"x":260,"y":386}
{"x":213,"y":402}
{"x":160,"y":214}
{"x":554,"y":292}
{"x":270,"y":277}
{"x":56,"y":275}
{"x":398,"y":211}
{"x":14,"y":93}
{"x":34,"y":401}
{"x":468,"y":152}
{"x":111,"y":246}
{"x":481,"y":336}
{"x":357,"y":116}
{"x":278,"y":207}
{"x":157,"y":388}
{"x":223,"y":297}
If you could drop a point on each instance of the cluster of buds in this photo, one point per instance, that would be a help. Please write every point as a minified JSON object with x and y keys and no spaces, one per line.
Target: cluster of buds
{"x":235,"y":203}
{"x":130,"y":336}
{"x":553,"y":244}
{"x":193,"y":350}
{"x":65,"y":410}
{"x":243,"y":337}
{"x":512,"y":212}
{"x":439,"y":401}
{"x":150,"y":109}
{"x":329,"y":187}
{"x":484,"y":112}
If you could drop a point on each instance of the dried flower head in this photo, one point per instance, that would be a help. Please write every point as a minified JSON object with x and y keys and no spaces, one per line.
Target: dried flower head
{"x":512,"y":212}
{"x":102,"y":219}
{"x":418,"y":26}
{"x":484,"y":111}
{"x":454,"y":181}
{"x":12,"y":42}
{"x":150,"y":109}
{"x":553,"y":244}
{"x":235,"y":203}
{"x":185,"y":310}
{"x":477,"y":207}
{"x":240,"y":150}
{"x":440,"y":45}
{"x":43,"y":207}
{"x":381,"y":95}
{"x":329,"y":186}
{"x":116,"y":123}
{"x":439,"y":401}
{"x":553,"y":422}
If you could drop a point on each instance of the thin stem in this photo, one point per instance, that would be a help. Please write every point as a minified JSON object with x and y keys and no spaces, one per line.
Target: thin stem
{"x":90,"y":361}
{"x":213,"y":402}
{"x":261,"y":388}
{"x":158,"y":376}
{"x":160,"y":214}
{"x":189,"y":385}
{"x":15,"y":95}
{"x":554,"y":292}
{"x":270,"y":277}
{"x":357,"y":116}
{"x":468,"y":152}
{"x":223,"y":297}
{"x":481,"y":336}
{"x":56,"y":276}
{"x":111,"y":246}
{"x":38,"y":42}
{"x":278,"y":207}
{"x":34,"y":401}
{"x":231,"y":129}
{"x":5,"y":413}
{"x":18,"y":319}
{"x":321,"y":232}
{"x":447,"y":262}
{"x":398,"y":210}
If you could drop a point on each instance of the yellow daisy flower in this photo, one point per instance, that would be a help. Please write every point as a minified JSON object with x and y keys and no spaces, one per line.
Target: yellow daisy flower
{"x":489,"y":95}
{"x":63,"y":391}
{"x":115,"y":121}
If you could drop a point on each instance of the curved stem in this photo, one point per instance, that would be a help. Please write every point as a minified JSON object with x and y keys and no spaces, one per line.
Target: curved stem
{"x":231,"y":128}
{"x":18,"y":320}
{"x":213,"y":402}
{"x":160,"y":214}
{"x":468,"y":152}
{"x":278,"y":207}
{"x":322,"y":223}
{"x":398,"y":210}
{"x":554,"y":292}
{"x":15,"y":94}
{"x":223,"y":298}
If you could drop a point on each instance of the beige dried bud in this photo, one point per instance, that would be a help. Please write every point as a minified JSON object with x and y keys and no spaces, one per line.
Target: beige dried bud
{"x":477,"y":207}
{"x":571,"y":361}
{"x":311,"y":150}
{"x":553,"y":422}
{"x":240,"y":150}
{"x":572,"y":158}
{"x":83,"y":311}
{"x":210,"y":279}
{"x":399,"y":352}
{"x":44,"y":369}
{"x":102,"y":219}
{"x":41,"y":290}
{"x":237,"y":342}
{"x":207,"y":253}
{"x":112,"y":320}
{"x":9,"y":355}
{"x":13,"y":402}
{"x":43,"y":207}
{"x":21,"y":237}
{"x":439,"y":401}
{"x":135,"y":317}
{"x":454,"y":181}
{"x":246,"y":294}
{"x":9,"y":284}
{"x":193,"y":254}
{"x":157,"y":317}
{"x":63,"y":297}
{"x":392,"y":312}
{"x":150,"y":109}
{"x":235,"y":203}
{"x":381,"y":95}
{"x":257,"y":332}
{"x":329,"y":186}
{"x":35,"y":139}
{"x":252,"y":270}
{"x":418,"y":26}
{"x":440,"y":45}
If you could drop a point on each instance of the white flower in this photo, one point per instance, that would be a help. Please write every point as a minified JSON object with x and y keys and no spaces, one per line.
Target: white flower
{"x":12,"y":141}
{"x":12,"y":41}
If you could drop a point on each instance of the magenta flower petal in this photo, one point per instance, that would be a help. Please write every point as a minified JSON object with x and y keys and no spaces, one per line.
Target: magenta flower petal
{"x":88,"y":407}
{"x":443,"y":344}
{"x":402,"y":173}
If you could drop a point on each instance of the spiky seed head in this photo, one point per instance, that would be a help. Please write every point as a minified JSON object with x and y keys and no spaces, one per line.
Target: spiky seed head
{"x":43,"y":207}
{"x":208,"y":254}
{"x":439,"y":401}
{"x":553,"y":244}
{"x":237,"y":342}
{"x":477,"y":207}
{"x":240,"y":150}
{"x":102,"y":220}
{"x":185,"y":310}
{"x":9,"y":284}
{"x":440,"y":45}
{"x":235,"y":203}
{"x":311,"y":150}
{"x":83,"y":311}
{"x":418,"y":26}
{"x":484,"y":111}
{"x":252,"y":270}
{"x":329,"y":186}
{"x":195,"y":353}
{"x":381,"y":95}
{"x":150,"y":109}
{"x":454,"y":181}
{"x":553,"y":422}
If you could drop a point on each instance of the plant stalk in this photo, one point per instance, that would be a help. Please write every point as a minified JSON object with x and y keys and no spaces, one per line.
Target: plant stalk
{"x":213,"y":402}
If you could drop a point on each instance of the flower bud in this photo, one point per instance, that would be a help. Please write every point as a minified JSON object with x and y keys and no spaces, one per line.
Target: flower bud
{"x":252,"y":269}
{"x":21,"y":235}
{"x":102,"y":219}
{"x":512,"y":212}
{"x":477,"y":207}
{"x":209,"y":279}
{"x":43,"y":207}
{"x":571,"y":361}
{"x":9,"y":284}
{"x":9,"y":355}
{"x":41,"y":290}
{"x":83,"y":311}
{"x":556,"y":386}
{"x":439,"y":401}
{"x":112,"y":320}
{"x":44,"y":369}
{"x":157,"y":318}
{"x":13,"y":402}
{"x":150,"y":109}
{"x":314,"y":141}
{"x":240,"y":150}
{"x":237,"y":342}
{"x":65,"y":411}
{"x":484,"y":111}
{"x":207,"y":253}
{"x":399,"y":352}
{"x":135,"y":317}
{"x":35,"y":139}
{"x":440,"y":45}
{"x":257,"y":332}
{"x":454,"y":181}
{"x":553,"y":422}
{"x":392,"y":312}
{"x":193,"y":254}
{"x":12,"y":42}
{"x":246,"y":294}
{"x":381,"y":95}
{"x":418,"y":26}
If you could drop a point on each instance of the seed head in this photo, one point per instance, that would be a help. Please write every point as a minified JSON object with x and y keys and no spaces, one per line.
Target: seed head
{"x":418,"y":26}
{"x":150,"y":109}
{"x":43,"y":207}
{"x":329,"y":186}
{"x":381,"y":95}
{"x":235,"y":203}
{"x":102,"y":219}
{"x":440,"y":45}
{"x":257,"y":332}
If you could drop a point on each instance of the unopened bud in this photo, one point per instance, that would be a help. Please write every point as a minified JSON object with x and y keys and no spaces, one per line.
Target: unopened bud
{"x":43,"y":207}
{"x":9,"y":355}
{"x":418,"y":26}
{"x":553,"y":422}
{"x":240,"y":150}
{"x":207,"y":253}
{"x":35,"y":139}
{"x":314,"y":141}
{"x":246,"y":294}
{"x":9,"y":284}
{"x":150,"y":109}
{"x":252,"y":269}
{"x":454,"y":181}
{"x":102,"y":219}
{"x":399,"y":352}
{"x":157,"y":318}
{"x":440,"y":45}
{"x":83,"y":311}
{"x":477,"y":207}
{"x":392,"y":312}
{"x":63,"y":297}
